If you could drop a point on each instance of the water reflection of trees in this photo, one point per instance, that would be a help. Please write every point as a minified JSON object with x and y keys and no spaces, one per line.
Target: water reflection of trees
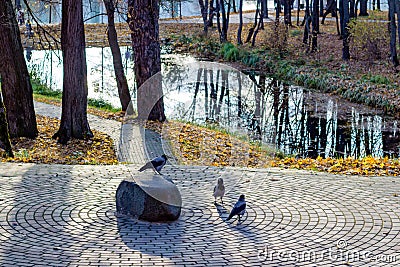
{"x":286,"y":116}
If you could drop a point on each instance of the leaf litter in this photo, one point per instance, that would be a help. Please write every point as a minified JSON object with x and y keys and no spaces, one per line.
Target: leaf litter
{"x":45,"y":149}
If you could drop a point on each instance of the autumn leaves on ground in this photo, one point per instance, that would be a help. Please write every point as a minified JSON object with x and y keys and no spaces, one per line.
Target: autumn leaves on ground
{"x":191,"y":144}
{"x":45,"y":149}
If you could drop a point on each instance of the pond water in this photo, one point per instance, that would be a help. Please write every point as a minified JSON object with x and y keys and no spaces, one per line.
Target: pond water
{"x":292,"y":119}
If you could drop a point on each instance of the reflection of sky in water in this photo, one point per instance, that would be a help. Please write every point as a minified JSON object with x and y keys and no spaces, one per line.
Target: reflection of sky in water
{"x":296,"y":121}
{"x":101,"y":77}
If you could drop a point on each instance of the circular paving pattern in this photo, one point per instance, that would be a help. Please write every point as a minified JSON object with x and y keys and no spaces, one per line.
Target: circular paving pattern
{"x":65,"y":215}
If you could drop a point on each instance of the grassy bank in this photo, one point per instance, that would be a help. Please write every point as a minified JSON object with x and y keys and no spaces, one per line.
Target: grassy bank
{"x":96,"y":107}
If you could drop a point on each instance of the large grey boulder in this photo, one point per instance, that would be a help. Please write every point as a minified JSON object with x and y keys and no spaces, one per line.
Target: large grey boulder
{"x":149,"y":197}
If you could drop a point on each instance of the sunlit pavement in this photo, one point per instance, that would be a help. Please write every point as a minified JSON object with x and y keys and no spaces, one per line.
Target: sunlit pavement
{"x":57,"y":215}
{"x":53,"y":215}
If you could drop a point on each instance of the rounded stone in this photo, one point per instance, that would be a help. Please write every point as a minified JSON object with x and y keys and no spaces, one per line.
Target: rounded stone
{"x":149,"y":197}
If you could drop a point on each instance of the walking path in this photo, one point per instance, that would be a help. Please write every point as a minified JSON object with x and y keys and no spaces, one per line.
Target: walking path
{"x":58,"y":215}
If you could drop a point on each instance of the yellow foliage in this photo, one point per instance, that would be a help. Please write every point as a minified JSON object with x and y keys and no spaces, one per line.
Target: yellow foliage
{"x":45,"y":149}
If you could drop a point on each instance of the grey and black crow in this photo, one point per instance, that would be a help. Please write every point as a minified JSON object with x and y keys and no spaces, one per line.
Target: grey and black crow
{"x":219,"y":190}
{"x":156,"y":164}
{"x":239,"y":208}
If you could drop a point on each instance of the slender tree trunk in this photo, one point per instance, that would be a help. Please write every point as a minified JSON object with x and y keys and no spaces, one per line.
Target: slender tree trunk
{"x":287,"y":14}
{"x":378,"y":4}
{"x":315,"y":26}
{"x":144,"y":15}
{"x":258,"y":28}
{"x":264,"y":7}
{"x":298,"y":13}
{"x":321,"y":8}
{"x":397,"y":2}
{"x":346,"y":49}
{"x":239,"y":34}
{"x":218,"y":9}
{"x":363,"y":8}
{"x":15,"y":84}
{"x":330,"y":9}
{"x":307,"y":22}
{"x":352,"y":13}
{"x":211,"y":14}
{"x":252,"y":29}
{"x":4,"y":134}
{"x":223,"y":36}
{"x":180,"y":9}
{"x":341,"y":13}
{"x":204,"y":13}
{"x":337,"y":21}
{"x":393,"y":30}
{"x":74,"y":123}
{"x":233,"y":5}
{"x":278,"y":9}
{"x":122,"y":84}
{"x":259,"y":25}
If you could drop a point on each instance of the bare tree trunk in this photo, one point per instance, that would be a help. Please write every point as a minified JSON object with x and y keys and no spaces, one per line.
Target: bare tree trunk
{"x":122,"y":84}
{"x":287,"y":14}
{"x":321,"y":8}
{"x":211,"y":14}
{"x":397,"y":5}
{"x":307,"y":22}
{"x":204,"y":13}
{"x":143,"y":23}
{"x":15,"y":83}
{"x":259,"y":25}
{"x":239,"y":34}
{"x":345,"y":31}
{"x":315,"y":26}
{"x":332,"y":9}
{"x":74,"y":123}
{"x":393,"y":29}
{"x":363,"y":8}
{"x":252,"y":29}
{"x":218,"y":9}
{"x":352,"y":13}
{"x":4,"y":134}
{"x":264,"y":8}
{"x":222,"y":29}
{"x":298,"y":13}
{"x":233,"y":6}
{"x":278,"y":8}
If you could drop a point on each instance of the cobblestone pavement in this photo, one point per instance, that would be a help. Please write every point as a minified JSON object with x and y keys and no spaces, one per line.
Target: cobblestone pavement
{"x":52,"y":215}
{"x":55,"y":215}
{"x":132,"y":143}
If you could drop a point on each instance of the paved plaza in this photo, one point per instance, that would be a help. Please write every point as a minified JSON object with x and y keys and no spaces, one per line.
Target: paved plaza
{"x":57,"y":215}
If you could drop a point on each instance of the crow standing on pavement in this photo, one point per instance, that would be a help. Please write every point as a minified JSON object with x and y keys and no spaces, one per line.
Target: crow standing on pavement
{"x":219,"y":190}
{"x":239,"y":208}
{"x":156,"y":164}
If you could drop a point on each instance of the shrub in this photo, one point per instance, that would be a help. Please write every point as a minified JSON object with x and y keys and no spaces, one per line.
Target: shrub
{"x":230,"y":52}
{"x":276,"y":36}
{"x":368,"y":39}
{"x":376,"y":79}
